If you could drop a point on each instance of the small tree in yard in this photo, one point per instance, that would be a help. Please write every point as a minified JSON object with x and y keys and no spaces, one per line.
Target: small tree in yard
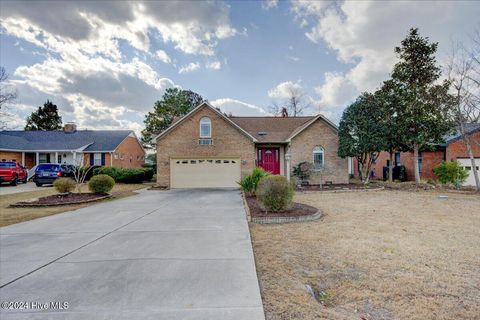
{"x":427,"y":107}
{"x":361,"y":133}
{"x":80,"y":172}
{"x":303,"y":171}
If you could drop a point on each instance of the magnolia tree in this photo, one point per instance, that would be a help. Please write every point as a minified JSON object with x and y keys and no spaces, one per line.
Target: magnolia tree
{"x":361,"y":133}
{"x":426,"y":114}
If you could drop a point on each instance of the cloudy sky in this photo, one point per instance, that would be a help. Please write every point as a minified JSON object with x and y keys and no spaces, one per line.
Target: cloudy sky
{"x":105,"y":63}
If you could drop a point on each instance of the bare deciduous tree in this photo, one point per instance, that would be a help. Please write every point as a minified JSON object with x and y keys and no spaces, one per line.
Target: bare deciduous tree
{"x":463,"y":70}
{"x":7,"y":95}
{"x":295,"y":102}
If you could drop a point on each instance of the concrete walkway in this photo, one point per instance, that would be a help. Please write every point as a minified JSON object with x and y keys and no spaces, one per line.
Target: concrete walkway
{"x":182,"y":254}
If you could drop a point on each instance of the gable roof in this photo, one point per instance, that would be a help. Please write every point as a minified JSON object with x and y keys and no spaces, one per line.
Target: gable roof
{"x":276,"y":129}
{"x":469,"y":129}
{"x":195,"y":110}
{"x":259,"y":129}
{"x":86,"y":140}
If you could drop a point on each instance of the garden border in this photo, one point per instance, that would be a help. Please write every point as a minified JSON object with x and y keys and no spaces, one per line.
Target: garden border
{"x":280,"y":220}
{"x":25,"y":204}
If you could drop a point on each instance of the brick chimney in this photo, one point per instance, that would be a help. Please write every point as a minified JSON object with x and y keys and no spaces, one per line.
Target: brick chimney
{"x":69,"y":127}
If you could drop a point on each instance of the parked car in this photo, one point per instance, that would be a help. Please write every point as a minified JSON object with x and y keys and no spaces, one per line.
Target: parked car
{"x":12,"y":172}
{"x":47,"y":173}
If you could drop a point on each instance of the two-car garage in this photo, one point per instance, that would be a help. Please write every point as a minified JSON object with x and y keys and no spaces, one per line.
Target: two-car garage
{"x":219,"y":172}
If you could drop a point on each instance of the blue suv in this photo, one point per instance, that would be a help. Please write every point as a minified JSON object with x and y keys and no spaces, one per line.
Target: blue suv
{"x":47,"y":173}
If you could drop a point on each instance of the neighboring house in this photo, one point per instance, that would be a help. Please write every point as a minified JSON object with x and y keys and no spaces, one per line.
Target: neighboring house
{"x":118,"y":148}
{"x":453,"y":149}
{"x":205,"y":148}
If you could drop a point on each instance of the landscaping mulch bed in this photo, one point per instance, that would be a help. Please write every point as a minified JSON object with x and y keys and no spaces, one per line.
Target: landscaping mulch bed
{"x":340,"y":187}
{"x":62,"y":199}
{"x":297,"y":210}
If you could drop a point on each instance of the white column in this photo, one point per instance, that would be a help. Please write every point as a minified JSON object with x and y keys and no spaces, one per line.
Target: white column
{"x":37,"y":158}
{"x":56,"y":157}
{"x":111,"y":159}
{"x":23,"y":159}
{"x":74,"y":156}
{"x":287,"y":158}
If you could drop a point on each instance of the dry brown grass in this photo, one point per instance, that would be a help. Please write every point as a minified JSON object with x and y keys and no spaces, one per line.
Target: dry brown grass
{"x":375,"y":255}
{"x":15,"y":215}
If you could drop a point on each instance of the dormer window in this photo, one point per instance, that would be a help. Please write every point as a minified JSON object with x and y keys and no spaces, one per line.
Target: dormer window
{"x":205,"y":128}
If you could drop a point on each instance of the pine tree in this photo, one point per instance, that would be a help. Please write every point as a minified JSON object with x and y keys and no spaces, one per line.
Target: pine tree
{"x":46,"y":118}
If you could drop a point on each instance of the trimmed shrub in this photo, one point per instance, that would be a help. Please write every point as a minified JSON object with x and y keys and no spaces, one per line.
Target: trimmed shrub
{"x":451,"y":172}
{"x":101,"y":183}
{"x":64,"y":185}
{"x":249,"y":183}
{"x":109,"y":171}
{"x":274,"y":193}
{"x":131,"y":175}
{"x":126,"y":175}
{"x":148,"y":174}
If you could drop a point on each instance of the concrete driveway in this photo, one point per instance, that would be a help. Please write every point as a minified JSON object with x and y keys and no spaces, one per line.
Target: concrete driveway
{"x":182,"y":254}
{"x":30,"y":186}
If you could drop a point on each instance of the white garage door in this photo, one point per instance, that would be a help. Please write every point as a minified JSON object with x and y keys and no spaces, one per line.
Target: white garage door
{"x":204,"y":173}
{"x":467,"y":165}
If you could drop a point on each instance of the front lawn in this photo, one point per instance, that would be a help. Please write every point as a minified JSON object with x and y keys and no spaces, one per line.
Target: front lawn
{"x":374,"y":255}
{"x":14,"y":215}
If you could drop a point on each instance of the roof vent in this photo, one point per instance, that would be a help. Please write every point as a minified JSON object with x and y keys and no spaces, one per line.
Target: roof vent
{"x":262,"y":133}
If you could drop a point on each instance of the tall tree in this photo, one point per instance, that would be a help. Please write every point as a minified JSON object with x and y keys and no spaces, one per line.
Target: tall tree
{"x":390,"y":103}
{"x":427,"y":109}
{"x":44,"y":119}
{"x":463,"y":70}
{"x":7,"y":95}
{"x":175,"y":103}
{"x":361,"y":133}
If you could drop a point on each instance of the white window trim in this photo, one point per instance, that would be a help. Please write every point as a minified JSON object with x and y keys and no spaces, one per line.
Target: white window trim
{"x":97,"y":159}
{"x":318,"y":150}
{"x":205,"y":120}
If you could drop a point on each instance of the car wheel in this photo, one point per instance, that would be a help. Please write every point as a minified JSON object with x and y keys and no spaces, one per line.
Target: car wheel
{"x":38,"y":184}
{"x":14,"y":181}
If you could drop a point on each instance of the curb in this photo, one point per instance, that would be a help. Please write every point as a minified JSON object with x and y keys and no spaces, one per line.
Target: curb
{"x":247,"y":209}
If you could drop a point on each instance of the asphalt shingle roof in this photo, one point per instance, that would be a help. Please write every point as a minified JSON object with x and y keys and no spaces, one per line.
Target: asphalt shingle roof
{"x":277,"y":129}
{"x":97,"y":140}
{"x":469,"y":128}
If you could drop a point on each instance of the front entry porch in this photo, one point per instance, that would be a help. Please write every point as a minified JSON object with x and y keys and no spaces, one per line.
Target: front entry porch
{"x":271,"y":158}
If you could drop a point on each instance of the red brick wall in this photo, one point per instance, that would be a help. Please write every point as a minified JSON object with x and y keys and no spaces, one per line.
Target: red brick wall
{"x":11,"y":156}
{"x":458,"y":149}
{"x":430,"y":160}
{"x":132,"y":153}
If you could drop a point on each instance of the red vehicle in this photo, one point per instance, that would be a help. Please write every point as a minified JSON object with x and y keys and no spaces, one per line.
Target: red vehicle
{"x":12,"y":172}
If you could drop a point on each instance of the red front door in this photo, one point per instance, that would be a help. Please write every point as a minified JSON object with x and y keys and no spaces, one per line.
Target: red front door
{"x":269,"y":159}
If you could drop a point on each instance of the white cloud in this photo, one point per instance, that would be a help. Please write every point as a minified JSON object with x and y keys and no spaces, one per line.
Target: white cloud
{"x":269,"y":4}
{"x":336,"y":90}
{"x":192,"y":66}
{"x":163,"y":56}
{"x":238,"y":108}
{"x":95,"y":27}
{"x":364,"y":34}
{"x":283,"y":90}
{"x":214,"y":65}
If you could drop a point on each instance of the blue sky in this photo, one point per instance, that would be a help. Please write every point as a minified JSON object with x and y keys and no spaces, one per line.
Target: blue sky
{"x":105,"y":63}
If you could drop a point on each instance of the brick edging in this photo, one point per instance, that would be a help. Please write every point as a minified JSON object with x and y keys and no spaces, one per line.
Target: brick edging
{"x":278,"y":220}
{"x":24,"y":205}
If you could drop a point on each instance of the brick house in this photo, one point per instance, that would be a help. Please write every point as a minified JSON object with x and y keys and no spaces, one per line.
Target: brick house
{"x":453,"y":149}
{"x":118,"y":148}
{"x":205,"y":148}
